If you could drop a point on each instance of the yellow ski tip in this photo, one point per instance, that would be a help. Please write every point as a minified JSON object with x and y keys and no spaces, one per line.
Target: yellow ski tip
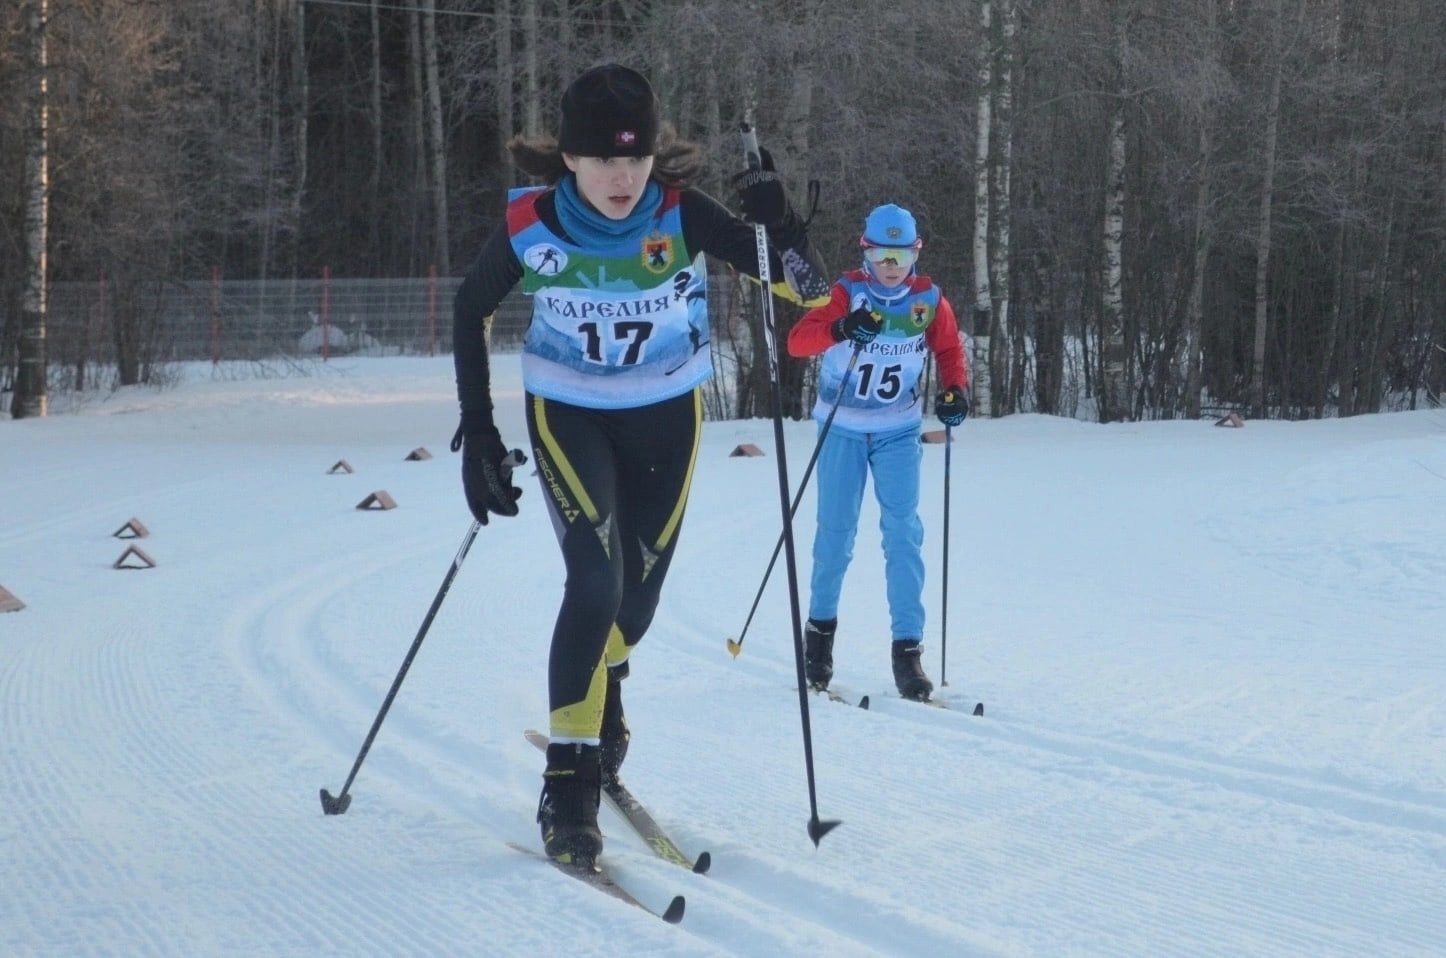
{"x":734,"y":648}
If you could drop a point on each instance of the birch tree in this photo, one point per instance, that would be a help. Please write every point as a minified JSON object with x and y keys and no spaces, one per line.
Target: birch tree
{"x":31,"y":392}
{"x":441,"y":233}
{"x":796,"y":150}
{"x":1203,"y":228}
{"x":1267,"y":190}
{"x":531,"y":75}
{"x":983,"y":313}
{"x":374,"y":175}
{"x":301,"y":87}
{"x":1114,"y":391}
{"x":506,"y":105}
{"x":270,"y":78}
{"x":1002,"y":146}
{"x":417,"y":114}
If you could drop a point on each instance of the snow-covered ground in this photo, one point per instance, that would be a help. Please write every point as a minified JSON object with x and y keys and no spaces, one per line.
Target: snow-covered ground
{"x":1213,"y":663}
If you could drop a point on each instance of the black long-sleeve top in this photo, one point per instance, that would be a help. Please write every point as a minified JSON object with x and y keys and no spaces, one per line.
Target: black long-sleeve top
{"x":708,"y":227}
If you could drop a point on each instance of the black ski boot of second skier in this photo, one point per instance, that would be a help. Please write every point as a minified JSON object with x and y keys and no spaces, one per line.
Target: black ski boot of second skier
{"x":909,"y":671}
{"x":818,"y":652}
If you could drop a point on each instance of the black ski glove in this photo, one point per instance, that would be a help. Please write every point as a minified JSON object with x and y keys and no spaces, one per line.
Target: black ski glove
{"x":487,"y":472}
{"x":952,"y":406}
{"x":761,"y":195}
{"x":861,"y":326}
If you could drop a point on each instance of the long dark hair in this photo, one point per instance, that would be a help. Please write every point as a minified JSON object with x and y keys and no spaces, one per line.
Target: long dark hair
{"x":676,"y":162}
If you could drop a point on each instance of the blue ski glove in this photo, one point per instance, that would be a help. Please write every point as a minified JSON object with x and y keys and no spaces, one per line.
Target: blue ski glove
{"x":861,"y":326}
{"x":952,"y":406}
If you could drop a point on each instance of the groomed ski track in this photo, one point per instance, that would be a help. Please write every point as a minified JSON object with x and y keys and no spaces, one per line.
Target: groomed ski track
{"x":175,"y":749}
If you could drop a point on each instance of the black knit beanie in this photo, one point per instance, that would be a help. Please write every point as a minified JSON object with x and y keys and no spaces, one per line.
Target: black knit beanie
{"x":609,"y":111}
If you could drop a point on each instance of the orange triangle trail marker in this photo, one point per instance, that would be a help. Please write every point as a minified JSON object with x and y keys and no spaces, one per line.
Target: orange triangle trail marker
{"x":133,"y":529}
{"x":746,"y":449}
{"x":418,"y":454}
{"x":137,"y":553}
{"x":341,"y":466}
{"x":8,"y":602}
{"x":378,"y":500}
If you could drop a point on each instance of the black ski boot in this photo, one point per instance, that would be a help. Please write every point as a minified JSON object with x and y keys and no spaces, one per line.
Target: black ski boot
{"x":909,"y":671}
{"x":567,"y":810}
{"x":818,"y":652}
{"x":615,"y":734}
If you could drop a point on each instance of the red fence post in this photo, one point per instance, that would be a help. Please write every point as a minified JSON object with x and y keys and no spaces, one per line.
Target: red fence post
{"x":215,"y":315}
{"x":325,"y":313}
{"x":432,"y":310}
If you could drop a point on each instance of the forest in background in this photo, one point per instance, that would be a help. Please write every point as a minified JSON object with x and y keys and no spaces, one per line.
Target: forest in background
{"x":1165,"y":207}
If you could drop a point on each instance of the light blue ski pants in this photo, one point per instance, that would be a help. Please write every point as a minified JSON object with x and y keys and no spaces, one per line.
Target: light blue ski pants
{"x":844,"y":464}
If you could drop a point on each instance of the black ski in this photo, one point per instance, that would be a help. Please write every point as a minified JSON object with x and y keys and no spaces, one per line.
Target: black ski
{"x":602,"y":879}
{"x":622,"y":801}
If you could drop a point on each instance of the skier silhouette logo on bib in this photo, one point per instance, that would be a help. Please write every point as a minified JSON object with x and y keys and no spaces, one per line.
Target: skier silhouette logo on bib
{"x":546,"y":260}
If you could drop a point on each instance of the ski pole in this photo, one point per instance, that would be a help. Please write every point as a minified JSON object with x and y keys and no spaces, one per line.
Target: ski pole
{"x":944,"y":610}
{"x":735,"y":646}
{"x":339,"y":803}
{"x":753,"y":158}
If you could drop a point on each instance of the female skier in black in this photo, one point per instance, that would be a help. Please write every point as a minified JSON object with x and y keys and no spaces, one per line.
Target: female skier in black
{"x":610,"y":251}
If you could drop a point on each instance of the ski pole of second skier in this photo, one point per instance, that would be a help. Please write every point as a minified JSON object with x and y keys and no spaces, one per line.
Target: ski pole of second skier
{"x":944,"y":603}
{"x":735,"y":646}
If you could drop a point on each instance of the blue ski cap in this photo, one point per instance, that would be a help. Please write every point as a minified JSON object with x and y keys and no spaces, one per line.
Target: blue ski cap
{"x":890,"y":225}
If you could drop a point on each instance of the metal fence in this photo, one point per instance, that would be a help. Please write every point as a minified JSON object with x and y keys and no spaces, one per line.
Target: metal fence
{"x":222,"y":320}
{"x":226,"y":321}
